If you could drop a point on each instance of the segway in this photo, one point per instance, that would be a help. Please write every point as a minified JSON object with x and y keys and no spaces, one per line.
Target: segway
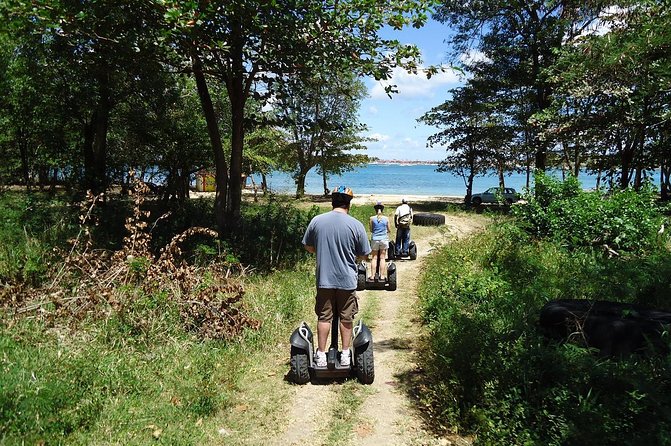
{"x":303,"y":349}
{"x":364,"y":283}
{"x":412,"y":252}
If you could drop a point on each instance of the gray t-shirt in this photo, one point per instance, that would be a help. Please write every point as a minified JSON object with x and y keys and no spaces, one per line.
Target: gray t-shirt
{"x":338,"y":239}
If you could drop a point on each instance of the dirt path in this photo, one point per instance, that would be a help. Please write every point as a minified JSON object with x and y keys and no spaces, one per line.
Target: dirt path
{"x":386,"y":416}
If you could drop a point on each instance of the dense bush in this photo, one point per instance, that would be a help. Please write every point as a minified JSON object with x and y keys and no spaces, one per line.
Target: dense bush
{"x":33,"y":225}
{"x":495,"y":376}
{"x":30,"y":227}
{"x":272,"y":234}
{"x":561,"y":211}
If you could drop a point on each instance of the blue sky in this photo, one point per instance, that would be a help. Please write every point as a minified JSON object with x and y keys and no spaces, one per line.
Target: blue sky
{"x":394,"y":121}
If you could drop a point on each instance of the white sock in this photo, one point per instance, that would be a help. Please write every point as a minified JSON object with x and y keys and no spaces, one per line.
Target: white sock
{"x":345,"y":353}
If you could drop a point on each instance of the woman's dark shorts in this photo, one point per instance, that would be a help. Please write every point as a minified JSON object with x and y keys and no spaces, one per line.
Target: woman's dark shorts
{"x":343,"y":301}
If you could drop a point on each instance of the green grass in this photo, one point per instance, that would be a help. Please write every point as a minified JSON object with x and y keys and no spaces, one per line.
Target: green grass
{"x":30,"y":227}
{"x":345,"y":412}
{"x":131,"y":379}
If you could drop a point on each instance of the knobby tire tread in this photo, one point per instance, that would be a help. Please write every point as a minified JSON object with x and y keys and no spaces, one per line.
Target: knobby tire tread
{"x":300,"y":374}
{"x":365,"y":366}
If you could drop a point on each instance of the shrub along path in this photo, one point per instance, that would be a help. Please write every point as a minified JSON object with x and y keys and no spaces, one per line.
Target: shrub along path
{"x":382,"y":413}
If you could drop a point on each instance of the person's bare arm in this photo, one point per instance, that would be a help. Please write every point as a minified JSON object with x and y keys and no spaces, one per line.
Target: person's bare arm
{"x":310,"y":249}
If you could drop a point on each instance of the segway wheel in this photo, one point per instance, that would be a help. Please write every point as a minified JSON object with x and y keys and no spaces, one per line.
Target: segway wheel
{"x":299,"y":366}
{"x":391,"y":277}
{"x":365,"y":367}
{"x":412,"y":251}
{"x":360,"y":282}
{"x":391,"y":252}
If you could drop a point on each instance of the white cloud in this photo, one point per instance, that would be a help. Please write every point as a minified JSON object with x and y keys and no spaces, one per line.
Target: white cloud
{"x":609,"y":18}
{"x":402,"y":148}
{"x":473,"y":56}
{"x":379,"y":137}
{"x":412,"y":86}
{"x":372,"y":110}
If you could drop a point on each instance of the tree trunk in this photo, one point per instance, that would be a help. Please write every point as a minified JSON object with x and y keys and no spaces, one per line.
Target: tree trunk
{"x":638,"y":178}
{"x":502,"y":180}
{"x":326,"y":189}
{"x":626,"y":156}
{"x":300,"y":183}
{"x":87,"y":149}
{"x":237,"y":94}
{"x":264,"y":183}
{"x":25,"y":168}
{"x":101,"y":126}
{"x":469,"y":187}
{"x":664,"y":174}
{"x":54,"y":181}
{"x":237,"y":147}
{"x":541,"y":158}
{"x":221,"y":169}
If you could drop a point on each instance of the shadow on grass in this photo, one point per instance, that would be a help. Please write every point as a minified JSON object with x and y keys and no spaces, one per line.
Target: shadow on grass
{"x":392,"y":344}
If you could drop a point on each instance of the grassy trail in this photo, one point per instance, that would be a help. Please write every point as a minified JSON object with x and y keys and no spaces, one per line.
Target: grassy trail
{"x":273,"y":411}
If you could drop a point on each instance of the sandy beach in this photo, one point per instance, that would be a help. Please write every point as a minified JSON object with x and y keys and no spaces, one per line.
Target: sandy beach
{"x":389,"y":200}
{"x":395,"y":200}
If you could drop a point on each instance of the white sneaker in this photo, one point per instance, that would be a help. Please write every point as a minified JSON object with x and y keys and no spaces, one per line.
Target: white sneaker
{"x":345,"y":358}
{"x":320,"y":359}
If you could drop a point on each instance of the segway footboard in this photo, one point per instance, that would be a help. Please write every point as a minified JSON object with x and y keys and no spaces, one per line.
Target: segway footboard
{"x":365,"y":283}
{"x":412,"y":252}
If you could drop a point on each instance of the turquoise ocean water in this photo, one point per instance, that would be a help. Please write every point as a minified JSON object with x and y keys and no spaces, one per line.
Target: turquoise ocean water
{"x":397,"y":179}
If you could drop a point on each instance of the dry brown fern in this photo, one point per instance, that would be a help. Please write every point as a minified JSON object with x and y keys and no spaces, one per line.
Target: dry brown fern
{"x":93,"y":283}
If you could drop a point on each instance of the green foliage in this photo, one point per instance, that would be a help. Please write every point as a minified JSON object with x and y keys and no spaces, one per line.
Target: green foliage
{"x":493,"y":374}
{"x":622,"y":220}
{"x":30,"y":227}
{"x":271,"y":235}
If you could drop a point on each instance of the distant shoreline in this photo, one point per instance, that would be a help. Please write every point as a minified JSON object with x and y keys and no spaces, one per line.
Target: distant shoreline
{"x":360,"y":199}
{"x":405,"y":162}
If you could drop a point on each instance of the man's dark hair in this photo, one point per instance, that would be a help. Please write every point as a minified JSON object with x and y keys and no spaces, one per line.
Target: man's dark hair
{"x":340,"y":200}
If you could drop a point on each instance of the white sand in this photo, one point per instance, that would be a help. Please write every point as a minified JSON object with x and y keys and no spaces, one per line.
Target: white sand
{"x":395,"y":200}
{"x":389,"y":200}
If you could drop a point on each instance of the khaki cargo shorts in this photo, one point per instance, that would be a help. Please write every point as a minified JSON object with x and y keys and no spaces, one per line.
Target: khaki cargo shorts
{"x":378,"y":245}
{"x":343,"y":301}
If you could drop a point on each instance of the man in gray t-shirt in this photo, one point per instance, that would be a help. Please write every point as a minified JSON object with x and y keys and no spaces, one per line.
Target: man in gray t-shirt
{"x":337,"y":239}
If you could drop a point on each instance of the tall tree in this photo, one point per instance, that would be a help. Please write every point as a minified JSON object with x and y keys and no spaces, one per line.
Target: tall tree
{"x":106,"y":48}
{"x":614,"y":87}
{"x":321,"y":116}
{"x":518,"y":40}
{"x":250,"y":44}
{"x":474,"y":133}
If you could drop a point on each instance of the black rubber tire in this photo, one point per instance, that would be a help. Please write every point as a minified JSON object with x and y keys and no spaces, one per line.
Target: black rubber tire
{"x":509,"y":201}
{"x":477,"y":201}
{"x":365,"y":364}
{"x":361,"y":281}
{"x":412,"y":250}
{"x":391,"y":277}
{"x":391,"y":251}
{"x":428,"y":219}
{"x":300,"y":374}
